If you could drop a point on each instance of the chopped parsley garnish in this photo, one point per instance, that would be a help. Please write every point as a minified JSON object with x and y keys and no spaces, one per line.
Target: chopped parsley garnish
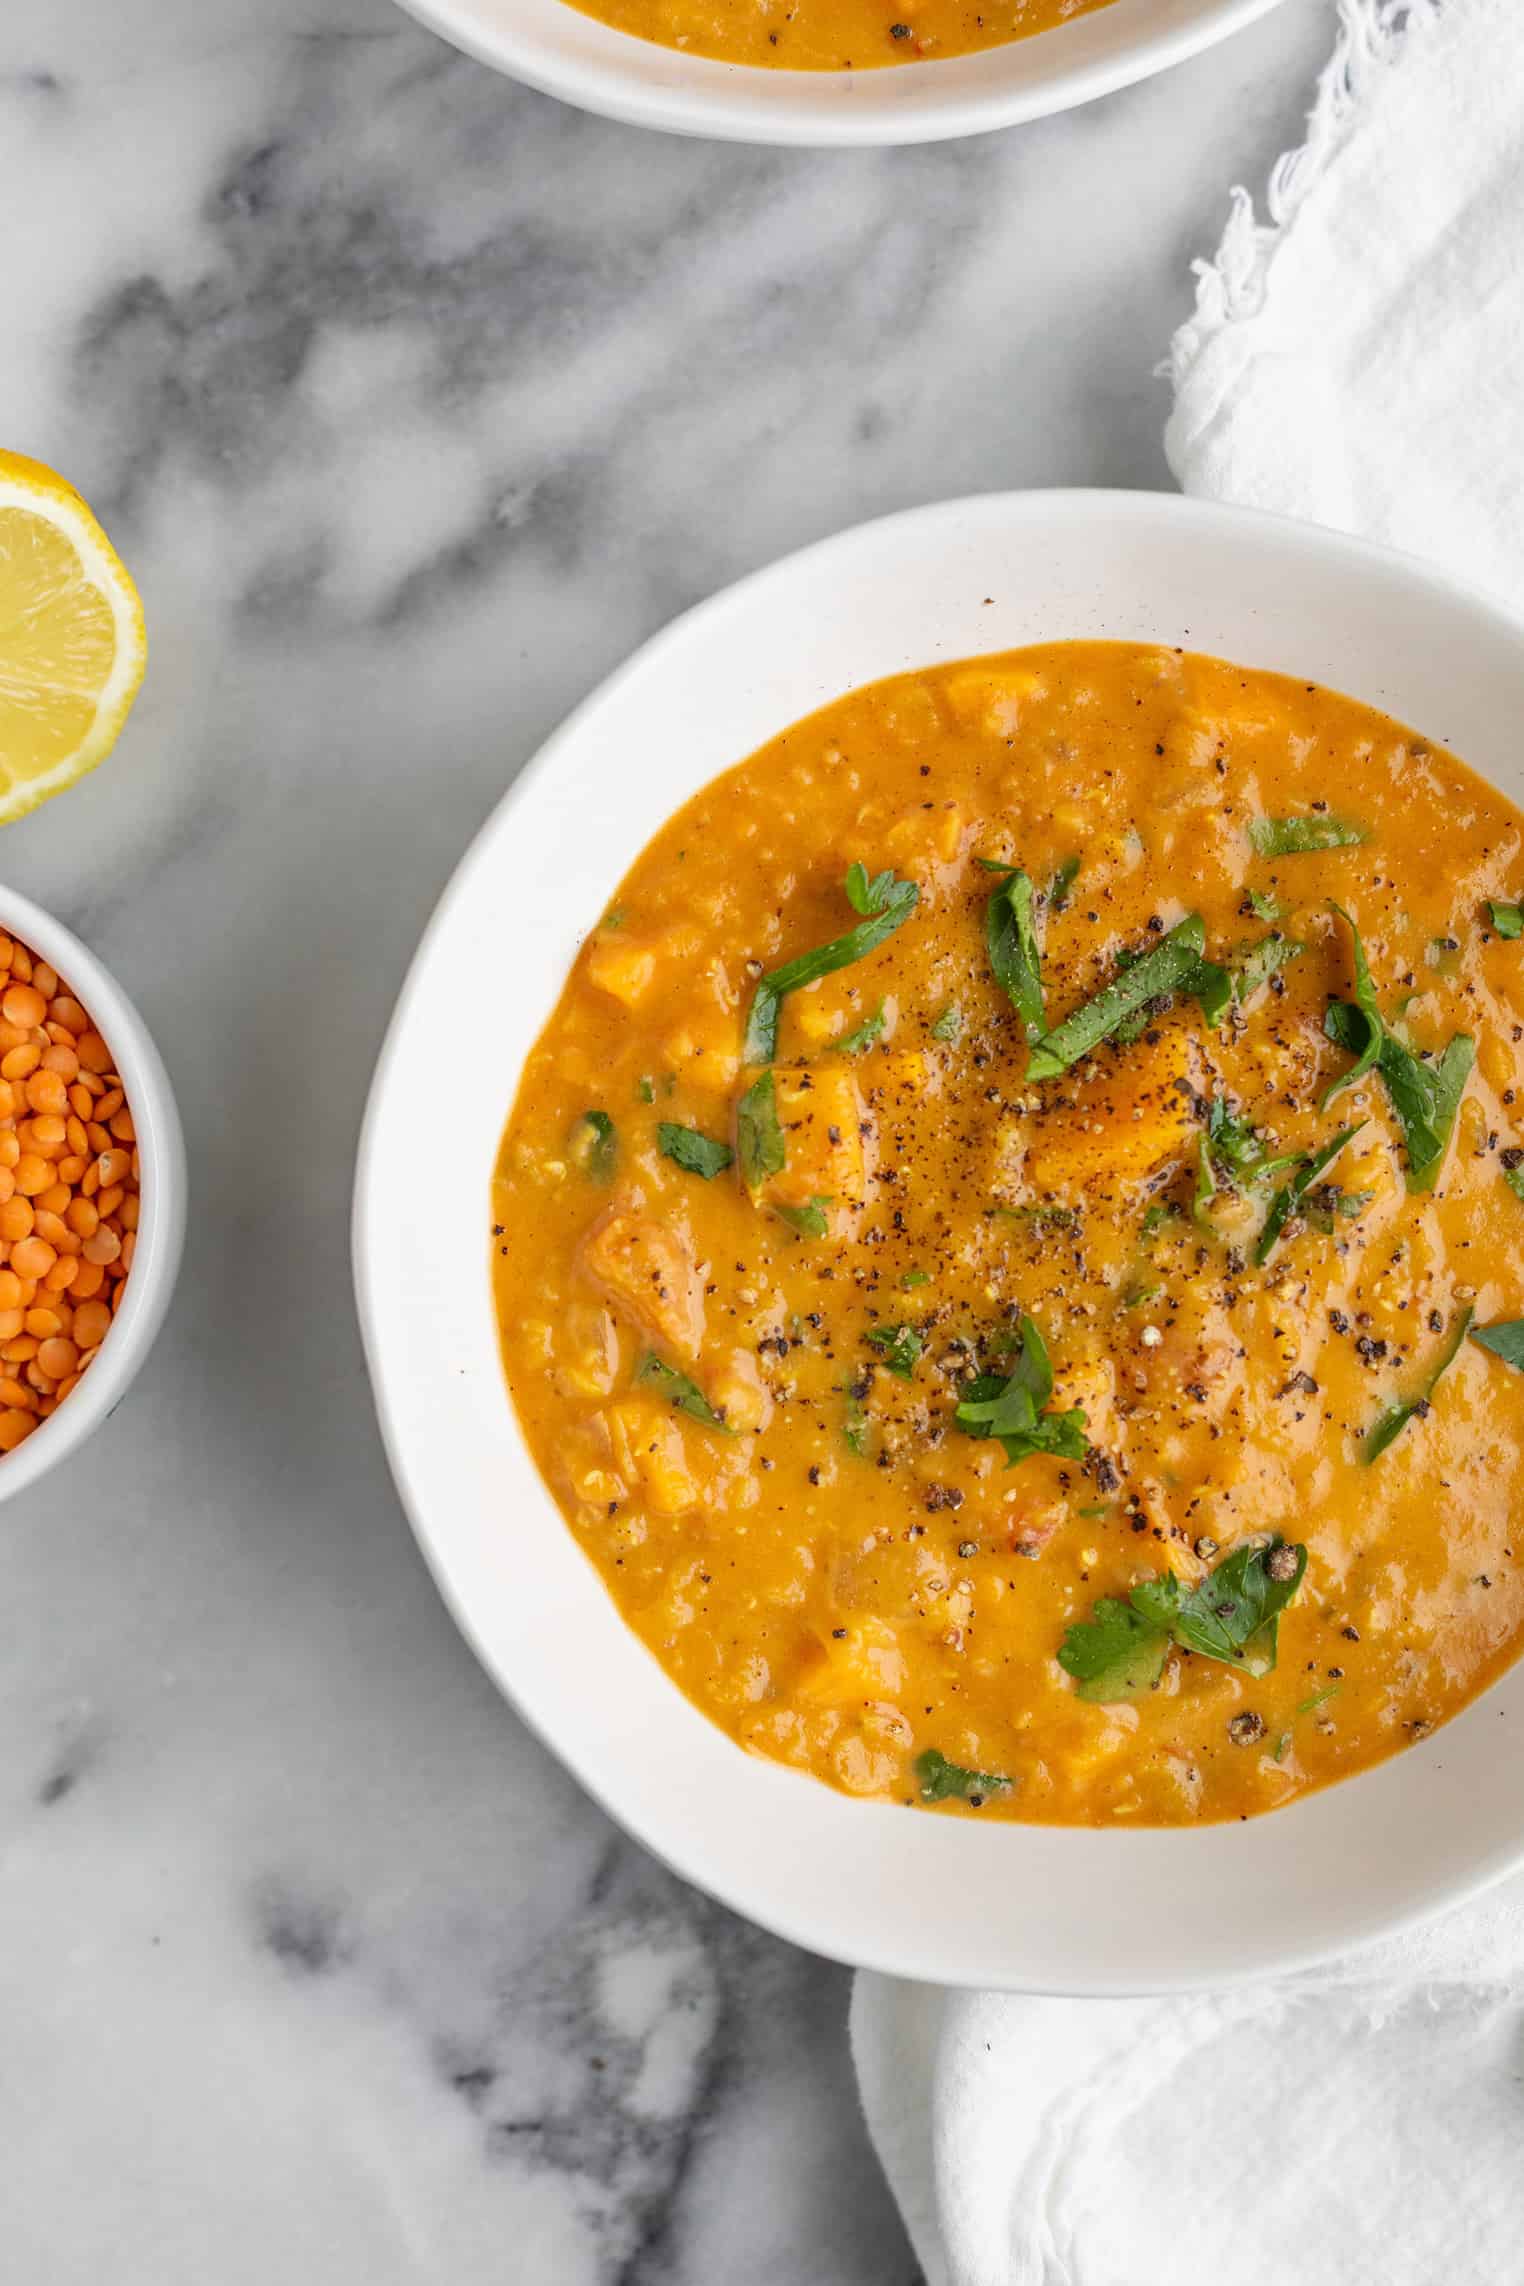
{"x":1297,"y":837}
{"x":1395,"y":1419}
{"x":1514,"y":1178}
{"x":684,"y":1395}
{"x":1167,"y":968}
{"x":1229,"y":1145}
{"x":901,"y":1346}
{"x":1424,"y":1093}
{"x":1508,"y":920}
{"x":886,"y":903}
{"x":1505,"y":1340}
{"x":696,"y":1154}
{"x":810,"y":1221}
{"x":1263,"y":906}
{"x":1262,"y":961}
{"x":1010,"y":938}
{"x":944,"y":1781}
{"x":1061,"y":884}
{"x":645,"y":1089}
{"x":1362,"y":1022}
{"x":871,"y":1029}
{"x":1327,"y":1206}
{"x":1289,"y":1197}
{"x":593,"y":1146}
{"x":759,"y":1133}
{"x":855,"y":1424}
{"x":1233,"y":1615}
{"x":916,"y":1278}
{"x":1011,"y":1409}
{"x":949,"y":1024}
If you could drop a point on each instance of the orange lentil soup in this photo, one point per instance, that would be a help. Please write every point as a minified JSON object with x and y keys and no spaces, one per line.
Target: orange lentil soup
{"x":1008,"y":1250}
{"x":835,"y":35}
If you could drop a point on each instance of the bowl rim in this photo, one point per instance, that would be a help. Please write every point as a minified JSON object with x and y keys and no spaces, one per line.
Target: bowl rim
{"x":640,"y":83}
{"x":162,"y":1189}
{"x":906,"y":1956}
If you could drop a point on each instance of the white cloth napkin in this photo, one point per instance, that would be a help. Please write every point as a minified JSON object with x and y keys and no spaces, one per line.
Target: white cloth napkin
{"x":1359,"y":360}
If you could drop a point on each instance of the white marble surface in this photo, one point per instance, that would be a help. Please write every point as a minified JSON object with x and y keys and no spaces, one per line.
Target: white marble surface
{"x":415,"y":400}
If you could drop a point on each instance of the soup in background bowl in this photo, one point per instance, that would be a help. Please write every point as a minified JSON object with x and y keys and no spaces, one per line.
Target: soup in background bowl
{"x":1008,"y":1893}
{"x":807,"y":72}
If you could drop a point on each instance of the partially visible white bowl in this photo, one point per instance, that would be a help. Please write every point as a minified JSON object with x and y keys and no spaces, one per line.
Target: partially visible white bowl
{"x":1034,"y":1908}
{"x":552,"y":46}
{"x":162,"y":1185}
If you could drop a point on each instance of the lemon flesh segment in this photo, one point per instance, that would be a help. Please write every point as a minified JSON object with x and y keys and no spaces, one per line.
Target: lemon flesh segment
{"x":72,"y":647}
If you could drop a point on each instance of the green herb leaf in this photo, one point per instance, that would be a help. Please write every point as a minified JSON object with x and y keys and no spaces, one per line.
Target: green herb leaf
{"x":855,"y":1424}
{"x":645,"y":1089}
{"x":1514,"y":1178}
{"x":593,"y":1146}
{"x":1505,"y":1340}
{"x":759,"y":1133}
{"x":1295,"y":837}
{"x":865,"y":895}
{"x":1291,"y":1194}
{"x":1211,"y":985}
{"x":614,"y":918}
{"x":901,"y":1346}
{"x":1328,"y":1205}
{"x":1206,"y":1181}
{"x":871,"y":1029}
{"x":888,"y":904}
{"x":1233,"y":1614}
{"x":810,"y":1221}
{"x":1366,"y":1013}
{"x":1390,"y":1424}
{"x":916,"y":1278}
{"x":1425,"y":1095}
{"x":1262,"y":961}
{"x":696,"y":1154}
{"x":1162,"y":970}
{"x":944,"y":1781}
{"x":684,"y":1395}
{"x":1010,"y":1409}
{"x":995,"y":864}
{"x":1263,"y":906}
{"x":1061,"y":884}
{"x":1156,"y":1216}
{"x":1117,"y":1653}
{"x":949,"y":1024}
{"x":1508,"y":920}
{"x":1010,"y":938}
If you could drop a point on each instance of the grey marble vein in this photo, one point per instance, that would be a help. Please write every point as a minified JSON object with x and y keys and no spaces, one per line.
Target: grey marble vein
{"x":416,"y":400}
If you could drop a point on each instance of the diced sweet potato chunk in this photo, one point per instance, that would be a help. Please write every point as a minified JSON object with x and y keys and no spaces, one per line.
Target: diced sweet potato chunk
{"x":619,"y":967}
{"x":648,"y":1445}
{"x":647,"y":1270}
{"x":821,"y":1114}
{"x":1126,"y":1113}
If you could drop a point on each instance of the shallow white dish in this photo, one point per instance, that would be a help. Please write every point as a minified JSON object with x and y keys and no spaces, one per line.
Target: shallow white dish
{"x":1033,"y":1908}
{"x":551,"y":46}
{"x":162,"y":1185}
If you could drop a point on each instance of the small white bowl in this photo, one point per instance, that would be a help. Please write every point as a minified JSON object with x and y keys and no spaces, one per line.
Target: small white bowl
{"x":161,"y":1228}
{"x":552,"y":46}
{"x":1034,"y":1908}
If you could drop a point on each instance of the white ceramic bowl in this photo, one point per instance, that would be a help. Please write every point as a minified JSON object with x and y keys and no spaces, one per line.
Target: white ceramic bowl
{"x":1028,"y":1907}
{"x":552,"y":46}
{"x":161,"y":1229}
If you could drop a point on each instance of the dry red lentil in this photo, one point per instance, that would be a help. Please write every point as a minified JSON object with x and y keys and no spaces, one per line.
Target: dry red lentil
{"x":68,"y":1191}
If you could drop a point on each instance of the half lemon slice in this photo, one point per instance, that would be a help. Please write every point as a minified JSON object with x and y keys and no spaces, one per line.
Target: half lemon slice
{"x":72,"y":645}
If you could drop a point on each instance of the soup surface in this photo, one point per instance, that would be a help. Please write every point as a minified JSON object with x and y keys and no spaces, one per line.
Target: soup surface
{"x":1007,"y":1249}
{"x":835,"y":35}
